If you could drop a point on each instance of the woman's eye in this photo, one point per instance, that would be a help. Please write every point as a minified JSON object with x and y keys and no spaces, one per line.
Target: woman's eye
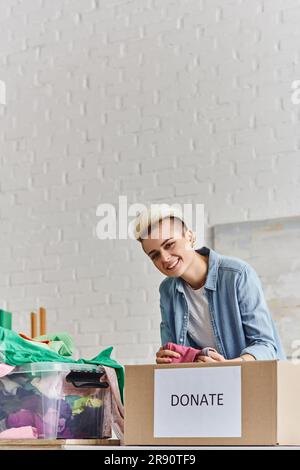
{"x":168,"y":245}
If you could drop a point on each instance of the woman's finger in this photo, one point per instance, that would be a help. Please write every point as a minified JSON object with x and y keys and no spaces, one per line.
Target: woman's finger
{"x":163,"y":360}
{"x":216,"y":356}
{"x":205,"y":359}
{"x":167,"y":353}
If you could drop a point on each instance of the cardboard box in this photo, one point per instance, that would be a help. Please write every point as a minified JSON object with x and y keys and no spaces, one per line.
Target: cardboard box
{"x":258,"y":402}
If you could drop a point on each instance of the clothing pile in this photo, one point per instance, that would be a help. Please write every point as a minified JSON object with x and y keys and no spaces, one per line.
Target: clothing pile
{"x":41,"y":402}
{"x":38,"y":401}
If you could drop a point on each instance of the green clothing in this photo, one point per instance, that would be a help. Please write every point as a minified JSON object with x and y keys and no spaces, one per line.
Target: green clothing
{"x":70,"y":399}
{"x":16,"y":351}
{"x":62,"y":343}
{"x":80,"y":404}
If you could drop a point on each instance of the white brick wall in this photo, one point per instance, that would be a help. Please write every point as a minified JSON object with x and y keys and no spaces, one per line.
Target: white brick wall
{"x":161,"y":101}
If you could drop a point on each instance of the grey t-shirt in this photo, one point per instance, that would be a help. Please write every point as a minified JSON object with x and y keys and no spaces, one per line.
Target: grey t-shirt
{"x":199,"y":326}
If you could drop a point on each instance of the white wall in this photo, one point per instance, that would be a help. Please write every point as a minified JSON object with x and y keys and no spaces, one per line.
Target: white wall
{"x":162,"y":101}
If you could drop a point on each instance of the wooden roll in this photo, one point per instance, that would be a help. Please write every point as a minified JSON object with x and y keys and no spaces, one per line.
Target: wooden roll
{"x":42,"y":321}
{"x":33,"y":318}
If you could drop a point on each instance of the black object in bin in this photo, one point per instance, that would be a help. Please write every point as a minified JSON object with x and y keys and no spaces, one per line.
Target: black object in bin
{"x":86,"y":379}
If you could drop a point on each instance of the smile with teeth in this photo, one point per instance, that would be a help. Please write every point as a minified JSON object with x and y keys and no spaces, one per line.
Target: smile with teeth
{"x":173,"y":265}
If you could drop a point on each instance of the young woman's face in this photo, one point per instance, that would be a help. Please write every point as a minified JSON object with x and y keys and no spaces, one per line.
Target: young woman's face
{"x":169,"y":248}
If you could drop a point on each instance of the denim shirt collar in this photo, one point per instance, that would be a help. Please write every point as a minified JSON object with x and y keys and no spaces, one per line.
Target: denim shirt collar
{"x":212,"y":275}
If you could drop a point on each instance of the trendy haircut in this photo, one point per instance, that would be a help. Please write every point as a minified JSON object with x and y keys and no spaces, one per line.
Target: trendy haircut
{"x":146,"y":232}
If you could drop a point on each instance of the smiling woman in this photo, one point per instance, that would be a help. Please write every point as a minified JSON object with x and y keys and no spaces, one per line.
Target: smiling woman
{"x":206,"y":300}
{"x":165,"y":238}
{"x":170,"y":247}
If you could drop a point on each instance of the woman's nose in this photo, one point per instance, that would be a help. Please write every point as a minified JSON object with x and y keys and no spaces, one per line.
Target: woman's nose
{"x":165,"y":256}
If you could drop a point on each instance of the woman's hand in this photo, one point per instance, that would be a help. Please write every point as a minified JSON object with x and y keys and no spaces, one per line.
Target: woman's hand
{"x":164,"y":356}
{"x":213,"y":357}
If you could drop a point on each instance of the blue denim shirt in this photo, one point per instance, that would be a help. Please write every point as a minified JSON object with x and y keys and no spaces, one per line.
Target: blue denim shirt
{"x":241,"y":321}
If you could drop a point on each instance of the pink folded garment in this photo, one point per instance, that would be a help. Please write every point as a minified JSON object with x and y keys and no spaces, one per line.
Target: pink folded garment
{"x":25,"y":432}
{"x":188,"y":354}
{"x":5,"y":369}
{"x":113,"y":406}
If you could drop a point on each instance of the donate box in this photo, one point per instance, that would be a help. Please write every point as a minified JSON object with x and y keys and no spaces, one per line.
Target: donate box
{"x":240,"y":403}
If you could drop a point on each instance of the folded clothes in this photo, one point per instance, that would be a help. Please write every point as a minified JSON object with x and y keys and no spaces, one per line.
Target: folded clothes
{"x":25,"y":418}
{"x":187,"y":354}
{"x":25,"y":432}
{"x":61,"y":343}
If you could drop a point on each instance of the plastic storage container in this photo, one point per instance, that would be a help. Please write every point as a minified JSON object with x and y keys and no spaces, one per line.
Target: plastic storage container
{"x":58,"y":400}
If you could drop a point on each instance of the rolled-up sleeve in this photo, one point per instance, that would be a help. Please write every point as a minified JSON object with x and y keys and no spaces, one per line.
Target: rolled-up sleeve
{"x":256,"y":318}
{"x":165,"y":332}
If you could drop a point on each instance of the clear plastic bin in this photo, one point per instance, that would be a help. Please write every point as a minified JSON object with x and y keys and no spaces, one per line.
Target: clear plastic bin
{"x":58,"y":400}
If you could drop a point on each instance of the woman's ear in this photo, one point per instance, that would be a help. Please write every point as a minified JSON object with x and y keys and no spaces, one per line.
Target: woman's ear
{"x":194,"y":239}
{"x":191,"y":237}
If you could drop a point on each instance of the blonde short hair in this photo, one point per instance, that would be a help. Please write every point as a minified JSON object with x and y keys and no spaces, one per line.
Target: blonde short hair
{"x":150,"y":217}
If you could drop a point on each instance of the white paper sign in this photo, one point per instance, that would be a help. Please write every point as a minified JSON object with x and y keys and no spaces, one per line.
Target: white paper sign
{"x":198,"y":402}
